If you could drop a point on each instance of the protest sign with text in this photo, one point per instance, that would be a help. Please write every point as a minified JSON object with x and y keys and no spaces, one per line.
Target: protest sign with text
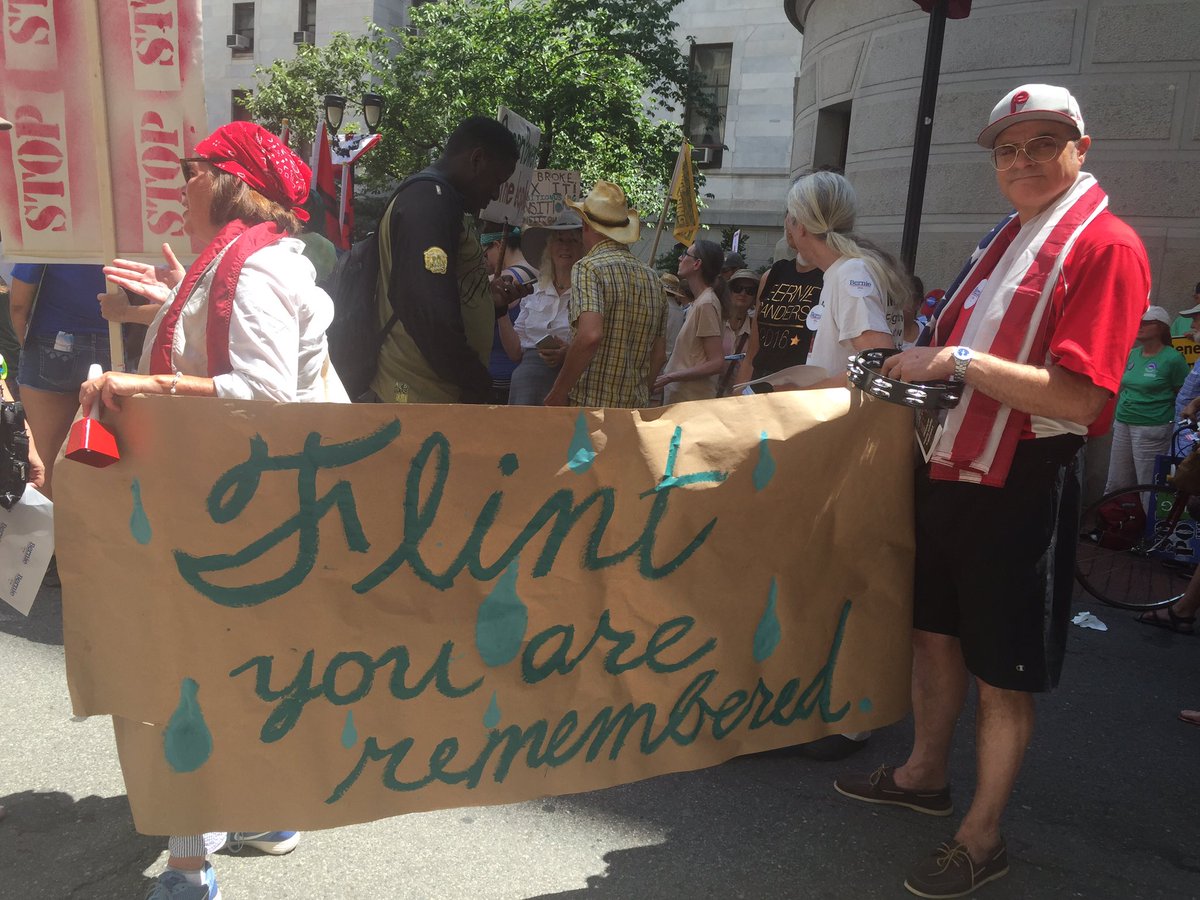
{"x":399,"y":608}
{"x":547,"y":193}
{"x":104,"y":99}
{"x":509,"y":205}
{"x":1189,"y":347}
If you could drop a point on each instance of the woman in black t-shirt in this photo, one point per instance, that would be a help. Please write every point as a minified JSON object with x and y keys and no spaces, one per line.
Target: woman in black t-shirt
{"x":789,"y":291}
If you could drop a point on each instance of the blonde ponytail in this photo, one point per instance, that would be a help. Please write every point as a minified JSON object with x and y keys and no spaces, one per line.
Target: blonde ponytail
{"x":826,"y":205}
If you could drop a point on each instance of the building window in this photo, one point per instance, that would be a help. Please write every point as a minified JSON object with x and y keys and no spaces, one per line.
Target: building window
{"x":308,"y":16}
{"x":833,"y":137}
{"x":237,"y":105}
{"x":710,"y":72}
{"x":243,"y":28}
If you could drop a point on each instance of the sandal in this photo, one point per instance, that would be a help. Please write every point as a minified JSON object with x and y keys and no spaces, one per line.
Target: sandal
{"x":1178,"y":624}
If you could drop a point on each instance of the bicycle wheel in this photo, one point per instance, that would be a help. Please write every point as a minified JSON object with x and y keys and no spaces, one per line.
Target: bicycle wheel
{"x":1138,"y":547}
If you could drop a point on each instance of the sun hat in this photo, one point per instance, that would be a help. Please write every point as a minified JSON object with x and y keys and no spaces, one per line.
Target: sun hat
{"x":672,"y":286}
{"x":262,"y":161}
{"x":535,"y":238}
{"x":608,"y":212}
{"x":743,"y":275}
{"x":1032,"y":101}
{"x":1157,"y":314}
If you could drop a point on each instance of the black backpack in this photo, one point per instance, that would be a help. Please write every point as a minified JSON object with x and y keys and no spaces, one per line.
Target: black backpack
{"x":354,"y":335}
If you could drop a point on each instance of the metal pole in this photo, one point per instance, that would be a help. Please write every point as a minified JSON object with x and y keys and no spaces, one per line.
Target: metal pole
{"x":924,"y":132}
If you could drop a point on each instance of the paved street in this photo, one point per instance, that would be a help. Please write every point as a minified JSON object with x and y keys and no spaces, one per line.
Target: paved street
{"x":1106,"y":807}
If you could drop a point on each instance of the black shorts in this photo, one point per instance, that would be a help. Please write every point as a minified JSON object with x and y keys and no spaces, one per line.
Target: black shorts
{"x":995,"y":566}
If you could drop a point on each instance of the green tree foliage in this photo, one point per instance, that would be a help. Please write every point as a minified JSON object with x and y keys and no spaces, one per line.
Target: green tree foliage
{"x":589,"y":73}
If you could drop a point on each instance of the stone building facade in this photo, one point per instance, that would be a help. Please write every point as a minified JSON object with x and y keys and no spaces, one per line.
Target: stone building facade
{"x":1134,"y":66}
{"x":748,"y":187}
{"x":269,"y":30}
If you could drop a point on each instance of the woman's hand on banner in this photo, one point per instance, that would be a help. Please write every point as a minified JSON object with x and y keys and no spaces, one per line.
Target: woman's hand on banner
{"x":112,"y":385}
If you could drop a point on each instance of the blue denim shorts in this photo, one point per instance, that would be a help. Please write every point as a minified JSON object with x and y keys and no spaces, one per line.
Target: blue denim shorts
{"x":61,"y":371}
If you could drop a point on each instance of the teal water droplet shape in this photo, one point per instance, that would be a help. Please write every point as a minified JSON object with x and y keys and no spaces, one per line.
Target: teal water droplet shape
{"x":349,"y":732}
{"x":139,"y":524}
{"x":768,"y":632}
{"x":764,"y":471}
{"x":865,"y":704}
{"x":491,"y":718}
{"x":501,"y":622}
{"x":187,"y":742}
{"x":581,"y":452}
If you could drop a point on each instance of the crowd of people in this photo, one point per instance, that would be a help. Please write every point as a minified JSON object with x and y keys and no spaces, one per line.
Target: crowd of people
{"x":1036,"y":328}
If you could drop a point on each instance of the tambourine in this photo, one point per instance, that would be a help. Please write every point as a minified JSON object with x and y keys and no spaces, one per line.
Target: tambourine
{"x":865,"y":375}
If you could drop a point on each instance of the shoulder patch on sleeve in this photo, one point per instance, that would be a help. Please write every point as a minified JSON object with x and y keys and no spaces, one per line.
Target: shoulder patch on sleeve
{"x":436,"y":260}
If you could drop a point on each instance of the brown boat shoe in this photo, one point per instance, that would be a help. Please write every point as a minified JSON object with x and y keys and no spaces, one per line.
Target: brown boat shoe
{"x":949,"y":871}
{"x":881,"y":787}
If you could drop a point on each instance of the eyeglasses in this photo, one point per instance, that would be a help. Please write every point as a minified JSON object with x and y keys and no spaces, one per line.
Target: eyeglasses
{"x":1040,"y":149}
{"x":184,"y":160}
{"x":690,"y":255}
{"x":745,"y":289}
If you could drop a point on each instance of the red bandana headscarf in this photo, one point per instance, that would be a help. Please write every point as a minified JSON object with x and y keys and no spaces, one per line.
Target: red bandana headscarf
{"x":262,"y":161}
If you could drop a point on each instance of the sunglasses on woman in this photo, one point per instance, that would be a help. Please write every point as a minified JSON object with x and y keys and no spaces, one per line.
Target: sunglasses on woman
{"x":184,"y":160}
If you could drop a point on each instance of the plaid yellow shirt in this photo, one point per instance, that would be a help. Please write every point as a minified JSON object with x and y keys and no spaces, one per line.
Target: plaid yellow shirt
{"x":611,"y":281}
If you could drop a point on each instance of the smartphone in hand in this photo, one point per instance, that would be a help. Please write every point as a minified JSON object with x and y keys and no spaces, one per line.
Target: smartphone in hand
{"x":549,"y":342}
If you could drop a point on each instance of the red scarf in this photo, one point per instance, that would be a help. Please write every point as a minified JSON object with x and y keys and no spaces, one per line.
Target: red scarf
{"x":245,"y":240}
{"x":981,"y":434}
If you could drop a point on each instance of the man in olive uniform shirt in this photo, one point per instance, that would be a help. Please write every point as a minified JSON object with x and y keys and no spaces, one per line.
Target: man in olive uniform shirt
{"x":437,"y":350}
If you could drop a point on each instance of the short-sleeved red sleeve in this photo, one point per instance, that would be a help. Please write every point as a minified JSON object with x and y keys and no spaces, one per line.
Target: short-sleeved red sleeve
{"x":1103,"y":291}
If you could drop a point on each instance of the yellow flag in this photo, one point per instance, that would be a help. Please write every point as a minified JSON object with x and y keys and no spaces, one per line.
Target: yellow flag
{"x":683,"y":192}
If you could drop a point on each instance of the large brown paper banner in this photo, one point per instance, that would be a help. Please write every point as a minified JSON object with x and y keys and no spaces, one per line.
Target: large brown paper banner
{"x":304,"y":616}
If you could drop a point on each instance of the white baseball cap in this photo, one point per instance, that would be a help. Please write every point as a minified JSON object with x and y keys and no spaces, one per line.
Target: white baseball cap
{"x":1032,"y":101}
{"x":1157,"y":314}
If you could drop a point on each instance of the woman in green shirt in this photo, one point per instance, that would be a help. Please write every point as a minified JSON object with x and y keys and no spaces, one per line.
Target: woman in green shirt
{"x":1154,"y":373}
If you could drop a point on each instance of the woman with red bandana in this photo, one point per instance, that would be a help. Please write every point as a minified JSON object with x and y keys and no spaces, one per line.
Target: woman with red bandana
{"x":245,"y":321}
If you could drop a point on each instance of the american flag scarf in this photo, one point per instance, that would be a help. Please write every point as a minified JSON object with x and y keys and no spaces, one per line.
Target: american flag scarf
{"x":1002,"y":307}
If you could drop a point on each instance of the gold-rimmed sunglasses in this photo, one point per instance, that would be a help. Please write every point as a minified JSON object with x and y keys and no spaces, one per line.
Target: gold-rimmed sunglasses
{"x":1040,"y":149}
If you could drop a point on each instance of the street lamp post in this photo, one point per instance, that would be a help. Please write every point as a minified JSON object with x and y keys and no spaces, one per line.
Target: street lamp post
{"x":335,"y":109}
{"x":372,"y":106}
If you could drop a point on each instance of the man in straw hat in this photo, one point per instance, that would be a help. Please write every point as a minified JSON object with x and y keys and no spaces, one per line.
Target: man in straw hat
{"x":1037,"y":327}
{"x":618,"y":311}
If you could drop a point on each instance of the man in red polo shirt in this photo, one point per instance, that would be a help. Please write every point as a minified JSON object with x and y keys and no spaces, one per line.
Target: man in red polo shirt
{"x":1037,"y":327}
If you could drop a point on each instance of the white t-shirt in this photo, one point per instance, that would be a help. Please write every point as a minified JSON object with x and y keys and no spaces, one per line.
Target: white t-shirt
{"x":851,"y":304}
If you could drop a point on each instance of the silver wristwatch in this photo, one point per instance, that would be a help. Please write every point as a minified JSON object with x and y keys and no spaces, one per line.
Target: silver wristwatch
{"x":962,"y":359}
